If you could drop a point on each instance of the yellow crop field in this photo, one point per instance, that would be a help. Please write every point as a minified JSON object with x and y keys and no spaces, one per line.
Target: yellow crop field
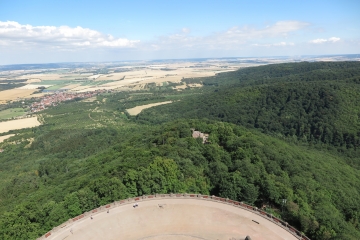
{"x":18,"y":124}
{"x":138,"y":109}
{"x":42,"y":76}
{"x":14,"y":94}
{"x":3,"y":138}
{"x":33,"y":80}
{"x":33,"y":86}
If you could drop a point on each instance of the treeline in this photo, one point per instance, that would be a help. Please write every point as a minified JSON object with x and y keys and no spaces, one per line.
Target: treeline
{"x":237,"y":163}
{"x":7,"y":86}
{"x":286,"y":72}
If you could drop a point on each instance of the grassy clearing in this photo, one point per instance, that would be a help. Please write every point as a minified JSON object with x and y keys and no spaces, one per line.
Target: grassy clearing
{"x":10,"y":113}
{"x":83,"y":115}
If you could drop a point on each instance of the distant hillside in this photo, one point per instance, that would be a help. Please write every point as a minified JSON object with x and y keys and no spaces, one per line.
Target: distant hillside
{"x":286,"y":72}
{"x":313,"y":102}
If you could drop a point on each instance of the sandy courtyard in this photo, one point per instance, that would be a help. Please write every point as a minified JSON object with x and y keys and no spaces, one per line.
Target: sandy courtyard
{"x":182,"y":219}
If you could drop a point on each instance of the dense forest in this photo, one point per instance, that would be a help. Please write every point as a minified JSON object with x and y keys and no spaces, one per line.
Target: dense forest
{"x":299,"y":103}
{"x":9,"y":85}
{"x":283,"y":131}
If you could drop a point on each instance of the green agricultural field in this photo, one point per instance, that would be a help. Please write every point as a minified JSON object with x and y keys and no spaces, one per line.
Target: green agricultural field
{"x":88,"y":83}
{"x":56,"y":87}
{"x":96,"y":83}
{"x":11,"y":112}
{"x":54,"y":82}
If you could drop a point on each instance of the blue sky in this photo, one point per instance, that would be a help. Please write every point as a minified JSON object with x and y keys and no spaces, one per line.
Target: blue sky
{"x":70,"y":31}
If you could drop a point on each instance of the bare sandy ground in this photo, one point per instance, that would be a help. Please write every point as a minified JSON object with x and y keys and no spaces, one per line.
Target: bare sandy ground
{"x":33,"y":86}
{"x":14,"y":94}
{"x":193,"y":85}
{"x":138,"y":109}
{"x":180,"y":87}
{"x":18,"y":124}
{"x":2,"y":138}
{"x":42,"y":76}
{"x":183,"y":219}
{"x":33,"y":80}
{"x":93,"y":77}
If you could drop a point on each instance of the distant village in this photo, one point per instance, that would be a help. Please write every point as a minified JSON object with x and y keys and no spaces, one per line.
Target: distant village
{"x":57,"y":97}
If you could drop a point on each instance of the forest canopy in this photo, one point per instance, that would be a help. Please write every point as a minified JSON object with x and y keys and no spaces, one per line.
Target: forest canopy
{"x":282,"y":131}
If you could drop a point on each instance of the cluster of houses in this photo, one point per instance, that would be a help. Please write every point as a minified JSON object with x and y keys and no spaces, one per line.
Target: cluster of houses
{"x":57,"y":97}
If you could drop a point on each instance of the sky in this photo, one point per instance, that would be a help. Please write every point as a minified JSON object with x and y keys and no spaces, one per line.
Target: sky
{"x":43,"y":31}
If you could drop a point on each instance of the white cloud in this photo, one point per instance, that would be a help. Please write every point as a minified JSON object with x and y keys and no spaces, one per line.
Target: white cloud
{"x":233,"y":38}
{"x":71,"y":38}
{"x":333,"y":39}
{"x":321,"y":40}
{"x":19,"y":43}
{"x":185,"y":30}
{"x":279,"y":29}
{"x":280,"y":44}
{"x":13,"y":33}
